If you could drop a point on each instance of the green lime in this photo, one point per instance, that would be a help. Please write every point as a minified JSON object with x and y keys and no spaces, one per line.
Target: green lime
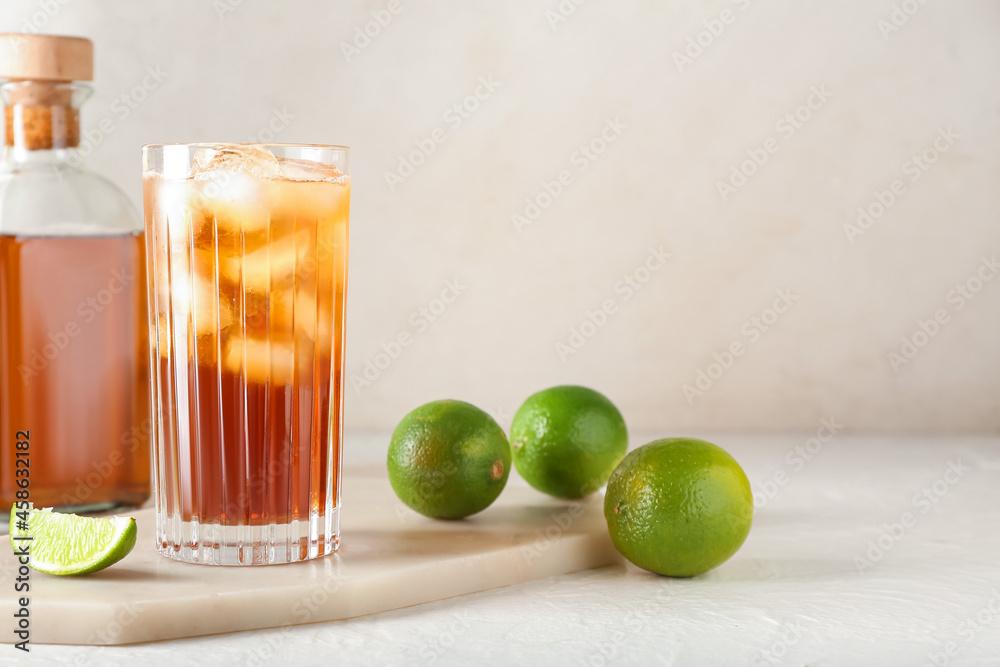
{"x":448,"y":459}
{"x":678,"y":506}
{"x":567,"y":440}
{"x":70,"y":544}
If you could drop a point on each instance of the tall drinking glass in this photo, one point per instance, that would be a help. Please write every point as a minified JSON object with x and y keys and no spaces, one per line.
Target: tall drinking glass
{"x":246,"y":250}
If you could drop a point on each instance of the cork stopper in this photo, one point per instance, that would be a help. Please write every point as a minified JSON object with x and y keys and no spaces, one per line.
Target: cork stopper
{"x":40,"y":113}
{"x":40,"y":116}
{"x":46,"y":57}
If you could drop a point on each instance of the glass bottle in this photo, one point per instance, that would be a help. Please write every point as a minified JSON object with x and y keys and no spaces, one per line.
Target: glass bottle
{"x":74,"y":359}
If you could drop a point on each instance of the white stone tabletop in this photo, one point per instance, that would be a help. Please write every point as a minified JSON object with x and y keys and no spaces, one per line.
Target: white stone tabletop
{"x":864,"y":551}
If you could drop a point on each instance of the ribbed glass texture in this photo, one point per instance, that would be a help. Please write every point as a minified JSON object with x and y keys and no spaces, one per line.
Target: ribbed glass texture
{"x":247,"y":266}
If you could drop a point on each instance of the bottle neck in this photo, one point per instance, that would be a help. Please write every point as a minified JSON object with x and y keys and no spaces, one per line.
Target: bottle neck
{"x":41,"y":120}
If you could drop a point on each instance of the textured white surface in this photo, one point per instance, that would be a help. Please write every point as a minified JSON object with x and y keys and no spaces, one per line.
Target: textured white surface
{"x":228,"y":69}
{"x":794,"y":590}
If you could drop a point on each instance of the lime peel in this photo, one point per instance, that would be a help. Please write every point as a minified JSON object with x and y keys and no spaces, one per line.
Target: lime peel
{"x":567,"y":440}
{"x":67,"y":544}
{"x":448,"y":460}
{"x":678,"y":506}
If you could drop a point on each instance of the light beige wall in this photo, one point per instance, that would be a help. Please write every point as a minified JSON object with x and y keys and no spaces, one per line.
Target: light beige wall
{"x":672,"y":131}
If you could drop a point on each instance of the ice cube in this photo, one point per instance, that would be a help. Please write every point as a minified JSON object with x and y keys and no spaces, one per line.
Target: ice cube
{"x":233,"y":201}
{"x":232,"y":185}
{"x":160,"y":336}
{"x":250,"y":159}
{"x":197,"y":297}
{"x":282,"y":313}
{"x":261,"y":361}
{"x":307,"y":170}
{"x":296,"y":313}
{"x":237,"y":206}
{"x":272,"y":263}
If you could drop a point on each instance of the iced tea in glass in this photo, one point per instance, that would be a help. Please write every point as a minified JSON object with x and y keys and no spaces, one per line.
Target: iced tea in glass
{"x":246,"y":249}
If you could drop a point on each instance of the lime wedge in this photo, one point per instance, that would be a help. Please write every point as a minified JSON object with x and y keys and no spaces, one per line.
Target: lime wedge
{"x":70,"y":544}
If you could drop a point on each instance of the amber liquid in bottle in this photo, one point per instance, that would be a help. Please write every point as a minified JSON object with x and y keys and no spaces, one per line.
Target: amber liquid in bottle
{"x":74,"y":372}
{"x":74,"y":360}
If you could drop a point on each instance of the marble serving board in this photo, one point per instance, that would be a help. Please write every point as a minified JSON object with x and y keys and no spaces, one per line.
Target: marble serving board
{"x":389,"y":557}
